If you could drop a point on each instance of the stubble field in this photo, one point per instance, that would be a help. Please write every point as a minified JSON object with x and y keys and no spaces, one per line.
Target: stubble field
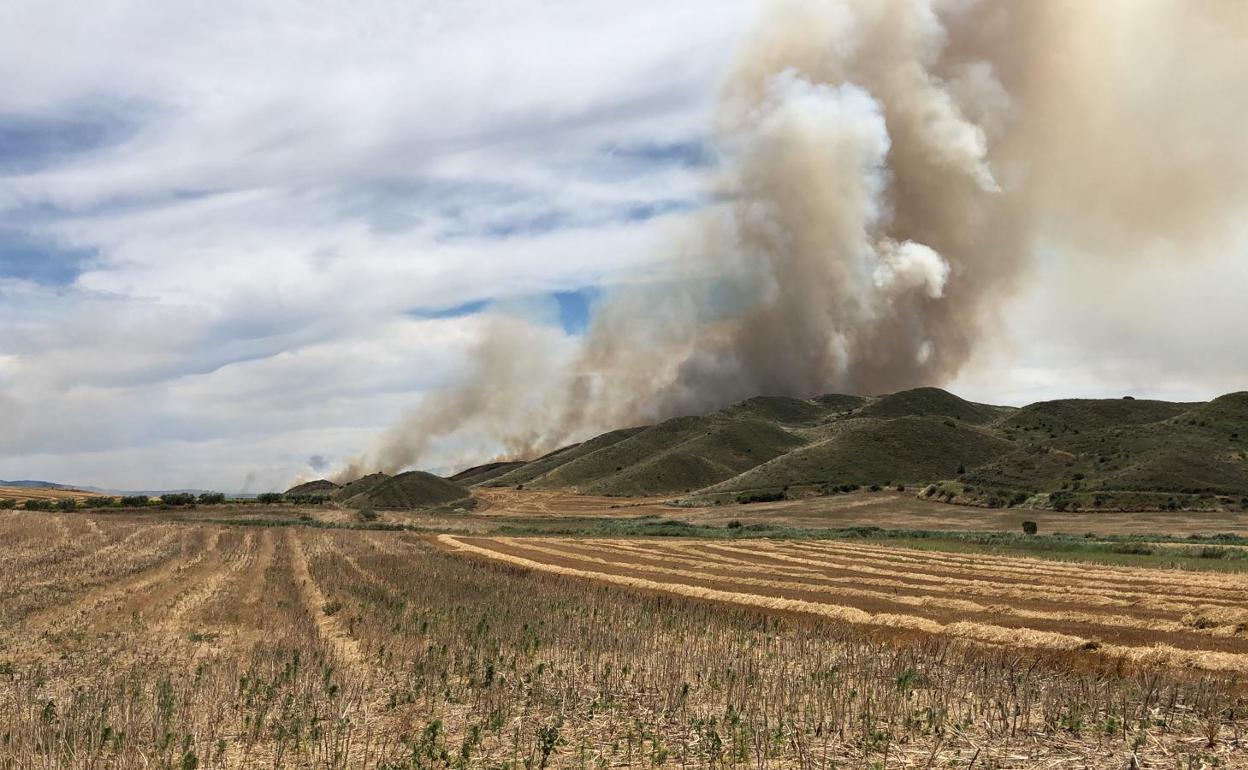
{"x":128,"y":643}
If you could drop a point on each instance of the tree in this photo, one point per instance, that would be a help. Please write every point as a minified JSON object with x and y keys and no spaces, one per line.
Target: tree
{"x":1030,"y":528}
{"x":269,"y":498}
{"x":211,"y":498}
{"x":177,"y":498}
{"x":98,"y":502}
{"x":134,"y":501}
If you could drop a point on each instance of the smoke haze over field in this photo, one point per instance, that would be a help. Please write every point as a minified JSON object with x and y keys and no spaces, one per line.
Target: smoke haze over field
{"x":887,"y":173}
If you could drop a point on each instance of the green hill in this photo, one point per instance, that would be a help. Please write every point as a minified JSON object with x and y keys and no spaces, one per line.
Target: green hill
{"x":786,"y":411}
{"x":318,"y":487}
{"x":413,"y":489}
{"x":676,"y":456}
{"x":359,"y":486}
{"x":1103,"y":454}
{"x":547,"y":463}
{"x":480,"y":474}
{"x":911,"y":449}
{"x":933,"y":402}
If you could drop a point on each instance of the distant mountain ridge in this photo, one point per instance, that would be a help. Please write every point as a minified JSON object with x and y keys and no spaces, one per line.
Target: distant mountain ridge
{"x":30,"y":484}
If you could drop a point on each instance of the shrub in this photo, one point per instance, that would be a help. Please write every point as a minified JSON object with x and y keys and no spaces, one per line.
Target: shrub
{"x":212,"y":498}
{"x":368,"y":514}
{"x":1030,"y":528}
{"x":961,"y":469}
{"x":1212,"y":552}
{"x":67,"y":504}
{"x":874,"y":487}
{"x":269,"y":498}
{"x":177,"y":498}
{"x":734,"y":524}
{"x":38,"y":505}
{"x":761,"y":497}
{"x":99,"y":502}
{"x":306,"y":499}
{"x":134,"y":501}
{"x":7,"y":504}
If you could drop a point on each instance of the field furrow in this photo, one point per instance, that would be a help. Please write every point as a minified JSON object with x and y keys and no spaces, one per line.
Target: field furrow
{"x":1186,"y":633}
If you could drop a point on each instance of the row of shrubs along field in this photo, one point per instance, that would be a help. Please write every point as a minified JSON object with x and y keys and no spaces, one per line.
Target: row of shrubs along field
{"x":166,"y":500}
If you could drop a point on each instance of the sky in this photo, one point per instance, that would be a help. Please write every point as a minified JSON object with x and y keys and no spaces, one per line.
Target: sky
{"x":238,"y":239}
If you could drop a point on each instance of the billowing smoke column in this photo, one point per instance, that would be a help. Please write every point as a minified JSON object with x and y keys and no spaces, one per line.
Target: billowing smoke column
{"x":890,"y":170}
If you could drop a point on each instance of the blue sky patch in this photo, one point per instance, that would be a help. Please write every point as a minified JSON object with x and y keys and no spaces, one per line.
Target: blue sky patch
{"x":29,"y":143}
{"x":692,"y":153}
{"x":576,"y":308}
{"x":28,"y":258}
{"x":458,"y":311}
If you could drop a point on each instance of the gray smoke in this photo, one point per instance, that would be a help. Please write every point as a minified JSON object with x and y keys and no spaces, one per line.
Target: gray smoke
{"x":890,"y":170}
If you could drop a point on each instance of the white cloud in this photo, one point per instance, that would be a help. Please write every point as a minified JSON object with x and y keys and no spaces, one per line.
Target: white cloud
{"x":282,"y":185}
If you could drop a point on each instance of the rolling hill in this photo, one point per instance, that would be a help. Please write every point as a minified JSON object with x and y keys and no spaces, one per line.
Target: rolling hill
{"x":1073,"y":453}
{"x":317,"y":487}
{"x":410,"y":490}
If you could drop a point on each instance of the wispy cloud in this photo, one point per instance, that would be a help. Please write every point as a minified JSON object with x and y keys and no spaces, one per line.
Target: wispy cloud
{"x":248,"y":228}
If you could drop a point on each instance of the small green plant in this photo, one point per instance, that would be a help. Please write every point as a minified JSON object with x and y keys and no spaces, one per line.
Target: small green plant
{"x":761,"y":497}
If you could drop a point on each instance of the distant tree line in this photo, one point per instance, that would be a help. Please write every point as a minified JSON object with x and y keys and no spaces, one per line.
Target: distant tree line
{"x":273,"y":498}
{"x":175,"y":499}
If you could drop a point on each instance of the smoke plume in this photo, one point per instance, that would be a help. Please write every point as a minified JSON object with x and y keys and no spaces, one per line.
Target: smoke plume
{"x":891,"y":171}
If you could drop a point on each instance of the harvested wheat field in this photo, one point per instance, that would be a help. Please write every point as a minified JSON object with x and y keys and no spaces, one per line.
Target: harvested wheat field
{"x":1167,"y":617}
{"x":137,"y":643}
{"x":22,"y":494}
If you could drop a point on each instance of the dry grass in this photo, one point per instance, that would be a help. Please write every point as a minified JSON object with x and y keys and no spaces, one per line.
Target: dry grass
{"x":1189,"y":633}
{"x":22,"y":494}
{"x":198,"y":646}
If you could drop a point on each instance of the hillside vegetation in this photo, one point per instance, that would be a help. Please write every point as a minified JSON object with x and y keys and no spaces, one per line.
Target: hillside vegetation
{"x":1071,"y":454}
{"x":414,"y":489}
